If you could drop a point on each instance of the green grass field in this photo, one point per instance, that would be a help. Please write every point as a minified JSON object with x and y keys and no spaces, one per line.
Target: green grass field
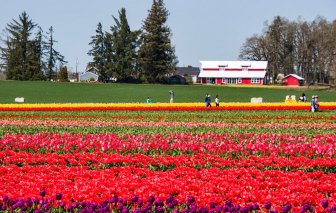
{"x":54,"y":92}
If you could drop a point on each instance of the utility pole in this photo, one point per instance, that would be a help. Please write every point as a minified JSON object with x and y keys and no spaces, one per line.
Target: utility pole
{"x":76,"y":68}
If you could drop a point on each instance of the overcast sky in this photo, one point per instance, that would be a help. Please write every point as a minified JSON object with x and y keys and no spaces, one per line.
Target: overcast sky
{"x":202,"y":29}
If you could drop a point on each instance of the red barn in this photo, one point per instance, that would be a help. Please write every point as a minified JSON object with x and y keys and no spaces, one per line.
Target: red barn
{"x":233,"y":72}
{"x":292,"y":80}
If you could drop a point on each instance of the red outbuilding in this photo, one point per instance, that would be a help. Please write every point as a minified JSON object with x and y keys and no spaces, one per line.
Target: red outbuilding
{"x":292,"y":80}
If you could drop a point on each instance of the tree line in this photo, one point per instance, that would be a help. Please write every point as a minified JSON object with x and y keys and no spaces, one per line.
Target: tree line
{"x":26,"y":53}
{"x":295,"y":47}
{"x":145,"y":54}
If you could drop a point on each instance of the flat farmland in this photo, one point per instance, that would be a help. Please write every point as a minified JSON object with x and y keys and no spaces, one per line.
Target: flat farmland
{"x":55,"y":92}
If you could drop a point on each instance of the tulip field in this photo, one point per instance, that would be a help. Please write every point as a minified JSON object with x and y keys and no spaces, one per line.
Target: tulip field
{"x":99,"y":158}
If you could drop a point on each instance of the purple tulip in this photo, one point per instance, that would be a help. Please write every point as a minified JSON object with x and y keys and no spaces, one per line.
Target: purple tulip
{"x":228,"y":203}
{"x":36,"y":200}
{"x":250,"y":207}
{"x":135,"y":198}
{"x":268,"y":205}
{"x":125,"y":210}
{"x":191,"y":200}
{"x":140,"y":203}
{"x":62,"y":204}
{"x":244,"y":210}
{"x":136,"y":211}
{"x":84,"y":211}
{"x":41,"y":202}
{"x":212,"y":205}
{"x":175,"y":202}
{"x":325,"y":204}
{"x":330,"y":209}
{"x":151,"y":199}
{"x":45,"y":207}
{"x":225,"y":208}
{"x":312,"y":209}
{"x":255,"y":207}
{"x":111,"y":200}
{"x":120,"y":200}
{"x":70,"y":207}
{"x":14,"y":206}
{"x":75,"y":204}
{"x":58,"y":196}
{"x":4,"y":208}
{"x":185,"y":211}
{"x":237,"y":208}
{"x":83,"y":204}
{"x":211,"y":211}
{"x":171,"y":206}
{"x":120,"y":207}
{"x":205,"y":210}
{"x":288,"y":206}
{"x":176,"y":211}
{"x":124,"y":203}
{"x":5,"y":198}
{"x":169,"y":199}
{"x":42,"y":192}
{"x":284,"y":210}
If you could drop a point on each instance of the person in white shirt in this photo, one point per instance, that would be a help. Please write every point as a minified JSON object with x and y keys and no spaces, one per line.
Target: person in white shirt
{"x":217,"y":101}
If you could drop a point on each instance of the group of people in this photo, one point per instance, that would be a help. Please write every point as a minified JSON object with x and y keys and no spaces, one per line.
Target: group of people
{"x":208,"y":101}
{"x":314,"y":104}
{"x":314,"y":101}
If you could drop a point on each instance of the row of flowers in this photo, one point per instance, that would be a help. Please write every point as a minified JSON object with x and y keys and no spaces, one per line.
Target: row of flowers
{"x":193,"y":124}
{"x":175,"y":144}
{"x":166,"y":162}
{"x":87,"y":117}
{"x":149,"y":108}
{"x":116,"y":204}
{"x":241,"y":186}
{"x":98,"y":105}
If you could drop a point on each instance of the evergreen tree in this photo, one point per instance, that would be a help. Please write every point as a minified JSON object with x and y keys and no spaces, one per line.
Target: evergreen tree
{"x":36,"y":64}
{"x":156,"y":54}
{"x":52,"y":55}
{"x":98,"y":52}
{"x":18,"y":51}
{"x":124,"y":46}
{"x":63,"y":74}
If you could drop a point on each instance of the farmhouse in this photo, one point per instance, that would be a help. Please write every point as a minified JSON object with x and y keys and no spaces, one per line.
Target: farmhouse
{"x":89,"y":72}
{"x":292,"y":80}
{"x":189,"y":71}
{"x":233,"y":72}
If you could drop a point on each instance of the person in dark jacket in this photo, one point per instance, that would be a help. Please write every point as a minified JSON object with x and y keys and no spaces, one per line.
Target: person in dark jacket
{"x":209,"y":101}
{"x":206,"y":100}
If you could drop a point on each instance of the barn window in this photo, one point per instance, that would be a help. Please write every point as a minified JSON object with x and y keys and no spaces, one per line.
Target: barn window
{"x":239,"y":80}
{"x":221,"y":68}
{"x":244,"y":68}
{"x":255,"y":80}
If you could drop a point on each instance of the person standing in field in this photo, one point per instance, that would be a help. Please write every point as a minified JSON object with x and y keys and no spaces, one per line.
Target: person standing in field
{"x":312,"y":103}
{"x":171,"y":96}
{"x":206,"y":100}
{"x":209,"y":101}
{"x":304,"y":99}
{"x":217,"y":101}
{"x":316,"y":104}
{"x":148,"y":100}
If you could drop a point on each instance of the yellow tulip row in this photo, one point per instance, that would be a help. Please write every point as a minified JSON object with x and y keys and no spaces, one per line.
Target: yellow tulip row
{"x":70,"y":105}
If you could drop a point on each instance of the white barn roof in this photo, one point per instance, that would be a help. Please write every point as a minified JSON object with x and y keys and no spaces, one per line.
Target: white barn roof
{"x":232,"y":74}
{"x":234,"y":64}
{"x":295,"y":76}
